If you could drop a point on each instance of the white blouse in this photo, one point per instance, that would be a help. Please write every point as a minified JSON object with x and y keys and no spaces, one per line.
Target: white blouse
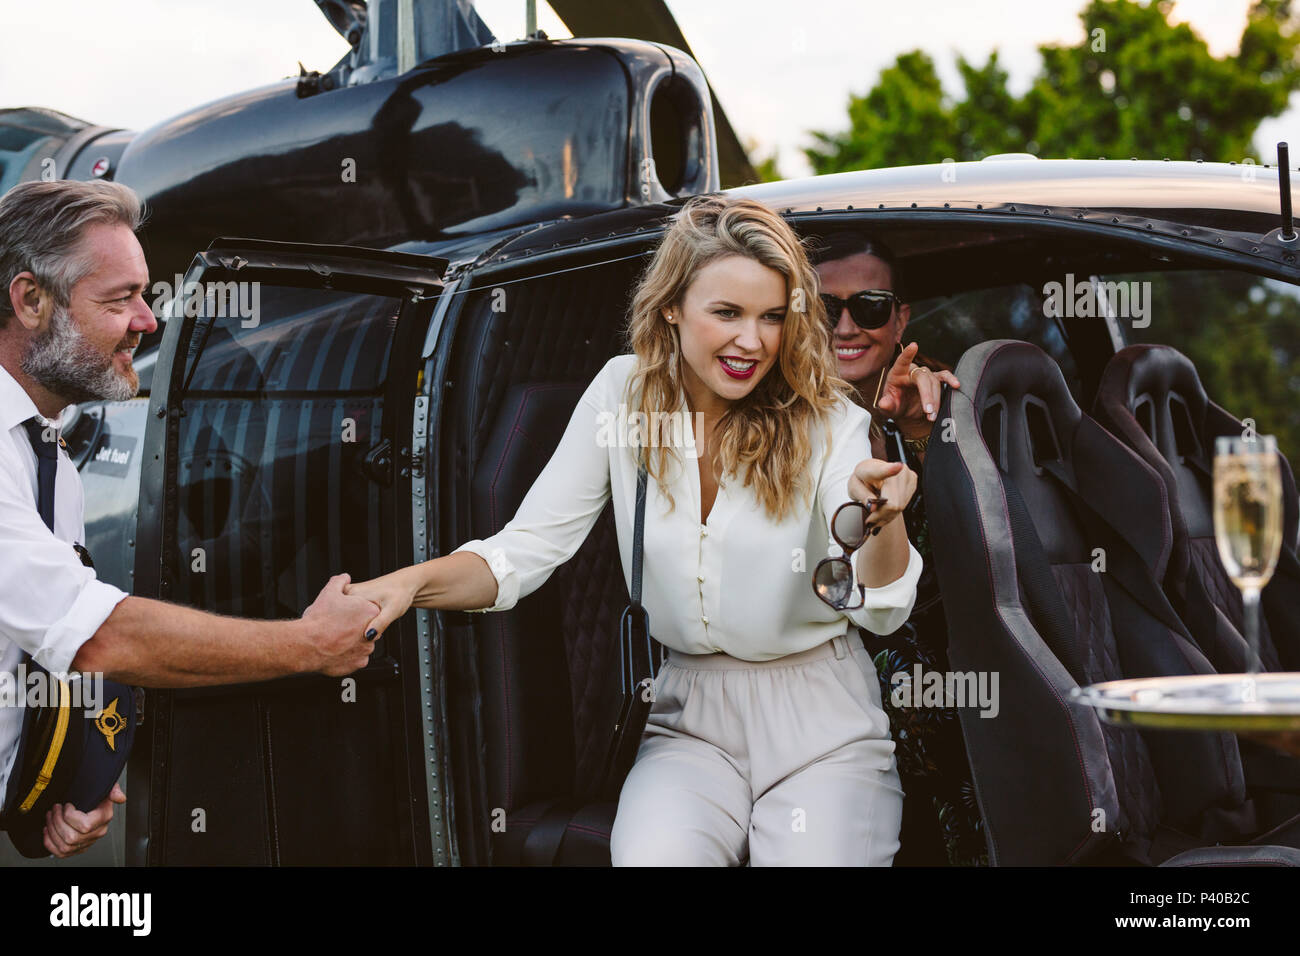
{"x":739,"y":584}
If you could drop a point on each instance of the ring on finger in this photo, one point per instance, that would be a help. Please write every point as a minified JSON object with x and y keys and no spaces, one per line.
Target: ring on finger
{"x":915,"y":369}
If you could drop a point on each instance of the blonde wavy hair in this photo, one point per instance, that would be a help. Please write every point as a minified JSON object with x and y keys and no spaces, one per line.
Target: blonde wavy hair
{"x":768,"y":433}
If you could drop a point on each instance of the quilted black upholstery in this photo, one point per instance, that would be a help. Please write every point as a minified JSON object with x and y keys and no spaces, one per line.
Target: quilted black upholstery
{"x":1048,"y":611}
{"x":1085,"y":602}
{"x":548,"y":663}
{"x":544,"y":682}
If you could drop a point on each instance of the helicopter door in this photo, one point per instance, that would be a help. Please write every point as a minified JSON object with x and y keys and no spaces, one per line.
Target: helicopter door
{"x":285,"y":382}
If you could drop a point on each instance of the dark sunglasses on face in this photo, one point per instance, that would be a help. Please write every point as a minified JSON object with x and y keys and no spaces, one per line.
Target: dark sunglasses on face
{"x":869,"y":309}
{"x":833,"y":579}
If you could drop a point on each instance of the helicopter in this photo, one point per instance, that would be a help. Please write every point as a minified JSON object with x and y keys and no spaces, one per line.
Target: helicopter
{"x":442,"y":240}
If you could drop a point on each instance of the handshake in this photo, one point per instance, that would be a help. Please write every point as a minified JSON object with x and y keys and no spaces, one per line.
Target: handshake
{"x":154,"y":644}
{"x":340,"y":625}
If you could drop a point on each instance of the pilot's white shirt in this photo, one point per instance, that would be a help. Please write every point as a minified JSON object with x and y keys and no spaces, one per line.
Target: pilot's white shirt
{"x":50,"y":603}
{"x":739,"y":584}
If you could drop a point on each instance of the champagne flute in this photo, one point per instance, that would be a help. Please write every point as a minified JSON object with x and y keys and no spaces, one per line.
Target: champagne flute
{"x":1248,"y":527}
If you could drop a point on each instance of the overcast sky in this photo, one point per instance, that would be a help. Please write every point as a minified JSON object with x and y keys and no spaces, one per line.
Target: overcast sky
{"x":779,"y":69}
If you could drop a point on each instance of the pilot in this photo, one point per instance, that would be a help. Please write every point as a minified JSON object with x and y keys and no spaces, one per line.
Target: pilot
{"x":766,"y":738}
{"x":71,"y":315}
{"x":861,"y":286}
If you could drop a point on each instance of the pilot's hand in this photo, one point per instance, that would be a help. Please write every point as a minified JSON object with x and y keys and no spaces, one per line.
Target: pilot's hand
{"x":910,"y":395}
{"x":68,"y":831}
{"x":392,"y":592}
{"x":341,"y":621}
{"x":891,"y":480}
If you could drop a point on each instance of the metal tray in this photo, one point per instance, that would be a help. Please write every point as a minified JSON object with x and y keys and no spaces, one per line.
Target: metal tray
{"x":1198,"y":702}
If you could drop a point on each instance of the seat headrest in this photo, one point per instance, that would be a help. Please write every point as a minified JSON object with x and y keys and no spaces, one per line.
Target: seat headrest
{"x":1023,"y":408}
{"x":1022,"y":412}
{"x":1157,"y":386}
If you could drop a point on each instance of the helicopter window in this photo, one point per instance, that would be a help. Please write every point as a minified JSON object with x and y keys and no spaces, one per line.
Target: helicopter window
{"x":674,"y":135}
{"x":285,"y":403}
{"x":665,"y":140}
{"x":284,"y":339}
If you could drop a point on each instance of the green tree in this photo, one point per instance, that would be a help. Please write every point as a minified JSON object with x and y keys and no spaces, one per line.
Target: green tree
{"x":989,"y":120}
{"x":1136,"y":86}
{"x":904,"y":115}
{"x":1140,"y":86}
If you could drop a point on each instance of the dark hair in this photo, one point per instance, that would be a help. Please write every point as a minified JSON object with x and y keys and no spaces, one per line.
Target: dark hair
{"x":848,"y":242}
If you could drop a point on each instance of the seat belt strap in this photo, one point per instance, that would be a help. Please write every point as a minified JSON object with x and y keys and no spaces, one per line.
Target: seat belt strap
{"x":1167,"y":843}
{"x":542,"y":845}
{"x":1284,"y":834}
{"x":1141,"y":586}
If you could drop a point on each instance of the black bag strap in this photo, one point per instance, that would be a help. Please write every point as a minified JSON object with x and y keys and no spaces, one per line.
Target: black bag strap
{"x":638,"y":536}
{"x":634,"y":623}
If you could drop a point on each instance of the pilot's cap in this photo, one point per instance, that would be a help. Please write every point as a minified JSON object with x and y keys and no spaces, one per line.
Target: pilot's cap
{"x":66,"y":756}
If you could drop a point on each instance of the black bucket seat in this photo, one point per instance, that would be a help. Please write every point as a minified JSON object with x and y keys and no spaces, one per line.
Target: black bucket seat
{"x":1051,"y":537}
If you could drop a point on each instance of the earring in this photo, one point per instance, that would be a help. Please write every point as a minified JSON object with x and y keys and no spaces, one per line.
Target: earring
{"x":880,"y":384}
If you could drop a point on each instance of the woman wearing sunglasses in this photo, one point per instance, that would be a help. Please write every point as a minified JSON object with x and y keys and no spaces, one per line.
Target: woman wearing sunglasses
{"x":860,"y":287}
{"x":867,"y":319}
{"x":766,"y":738}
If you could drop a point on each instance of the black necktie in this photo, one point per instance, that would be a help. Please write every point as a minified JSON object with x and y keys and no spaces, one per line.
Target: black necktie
{"x":47,"y":466}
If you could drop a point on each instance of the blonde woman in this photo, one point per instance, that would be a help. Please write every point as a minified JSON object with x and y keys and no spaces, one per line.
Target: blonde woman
{"x":766,"y":739}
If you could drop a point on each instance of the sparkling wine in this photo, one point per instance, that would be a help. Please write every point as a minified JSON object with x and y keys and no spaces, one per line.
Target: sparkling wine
{"x":1248,"y":529}
{"x":1248,"y":516}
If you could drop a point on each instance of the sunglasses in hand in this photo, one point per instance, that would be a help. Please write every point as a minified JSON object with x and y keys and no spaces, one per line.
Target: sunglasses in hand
{"x":833,"y":579}
{"x":869,"y":309}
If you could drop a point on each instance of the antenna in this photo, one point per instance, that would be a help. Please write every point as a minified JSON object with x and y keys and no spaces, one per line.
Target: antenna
{"x":1284,"y":183}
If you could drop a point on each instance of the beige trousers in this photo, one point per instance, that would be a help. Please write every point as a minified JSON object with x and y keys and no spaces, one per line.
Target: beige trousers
{"x":778,"y":763}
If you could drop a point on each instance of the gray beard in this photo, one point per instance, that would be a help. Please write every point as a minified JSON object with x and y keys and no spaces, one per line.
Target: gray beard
{"x":64,"y":362}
